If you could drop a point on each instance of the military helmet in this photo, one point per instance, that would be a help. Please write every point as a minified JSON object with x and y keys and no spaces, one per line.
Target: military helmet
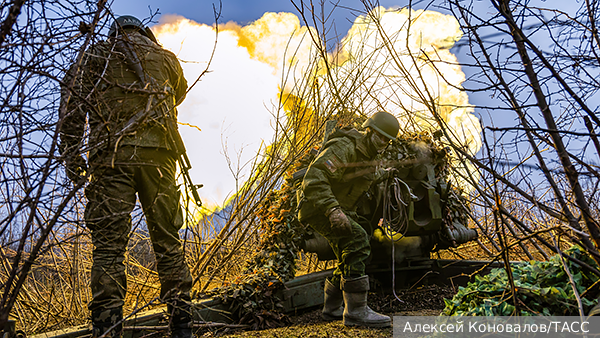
{"x":125,"y":21}
{"x":385,"y":123}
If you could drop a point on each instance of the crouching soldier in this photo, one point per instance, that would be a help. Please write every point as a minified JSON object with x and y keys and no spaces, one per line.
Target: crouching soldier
{"x":332,"y":186}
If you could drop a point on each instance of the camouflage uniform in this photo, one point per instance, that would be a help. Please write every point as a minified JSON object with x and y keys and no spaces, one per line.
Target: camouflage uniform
{"x":108,"y":94}
{"x":338,"y":177}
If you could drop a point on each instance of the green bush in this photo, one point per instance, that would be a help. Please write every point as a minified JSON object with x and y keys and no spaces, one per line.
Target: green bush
{"x":542,"y":288}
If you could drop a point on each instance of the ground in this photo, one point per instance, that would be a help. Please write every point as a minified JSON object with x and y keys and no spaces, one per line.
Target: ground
{"x":425,"y":301}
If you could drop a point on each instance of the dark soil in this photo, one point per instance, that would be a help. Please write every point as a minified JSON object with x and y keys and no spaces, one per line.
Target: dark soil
{"x":426,"y":298}
{"x":425,"y":301}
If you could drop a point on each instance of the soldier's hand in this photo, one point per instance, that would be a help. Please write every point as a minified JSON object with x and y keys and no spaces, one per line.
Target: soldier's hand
{"x":76,"y":168}
{"x":339,"y":221}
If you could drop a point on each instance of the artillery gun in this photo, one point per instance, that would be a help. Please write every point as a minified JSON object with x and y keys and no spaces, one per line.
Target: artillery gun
{"x":411,"y":213}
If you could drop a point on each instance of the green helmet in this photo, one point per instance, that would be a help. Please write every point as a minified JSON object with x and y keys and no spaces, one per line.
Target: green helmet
{"x":125,"y":21}
{"x":385,"y":123}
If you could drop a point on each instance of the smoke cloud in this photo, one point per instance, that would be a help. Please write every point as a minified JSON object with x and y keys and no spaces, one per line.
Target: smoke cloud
{"x":232,"y":103}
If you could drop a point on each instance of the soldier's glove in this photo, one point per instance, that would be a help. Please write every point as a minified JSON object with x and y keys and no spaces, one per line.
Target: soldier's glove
{"x":339,"y":221}
{"x":76,"y":168}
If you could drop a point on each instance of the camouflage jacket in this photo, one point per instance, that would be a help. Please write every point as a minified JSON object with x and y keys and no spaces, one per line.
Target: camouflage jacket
{"x":108,"y":94}
{"x":341,"y":173}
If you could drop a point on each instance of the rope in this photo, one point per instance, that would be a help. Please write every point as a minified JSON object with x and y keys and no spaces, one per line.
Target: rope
{"x":393,"y":203}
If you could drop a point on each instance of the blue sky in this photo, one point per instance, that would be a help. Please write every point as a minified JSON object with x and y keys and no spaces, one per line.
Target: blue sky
{"x":244,"y":11}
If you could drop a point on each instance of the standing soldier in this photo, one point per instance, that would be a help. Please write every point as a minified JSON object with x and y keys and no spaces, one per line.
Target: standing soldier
{"x":128,"y":153}
{"x":332,"y":186}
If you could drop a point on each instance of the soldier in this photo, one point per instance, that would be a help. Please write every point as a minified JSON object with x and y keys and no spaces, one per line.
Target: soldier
{"x":332,"y":186}
{"x":128,"y":154}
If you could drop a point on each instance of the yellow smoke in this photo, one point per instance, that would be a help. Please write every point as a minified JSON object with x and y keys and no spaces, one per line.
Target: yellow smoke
{"x":408,"y":51}
{"x":232,"y":104}
{"x":278,"y":40}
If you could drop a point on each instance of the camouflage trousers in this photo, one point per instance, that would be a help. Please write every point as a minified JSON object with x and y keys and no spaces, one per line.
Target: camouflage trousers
{"x":149,"y":172}
{"x":352,"y":249}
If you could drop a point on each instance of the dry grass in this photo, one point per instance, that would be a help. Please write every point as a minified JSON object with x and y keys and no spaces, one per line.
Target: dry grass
{"x":45,"y":252}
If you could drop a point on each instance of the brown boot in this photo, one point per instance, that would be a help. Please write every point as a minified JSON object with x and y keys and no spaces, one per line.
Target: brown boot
{"x":357,"y":313}
{"x":333,"y":307}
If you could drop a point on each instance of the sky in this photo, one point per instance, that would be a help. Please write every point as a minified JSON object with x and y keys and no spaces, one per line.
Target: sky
{"x":243,"y":11}
{"x":231,"y":107}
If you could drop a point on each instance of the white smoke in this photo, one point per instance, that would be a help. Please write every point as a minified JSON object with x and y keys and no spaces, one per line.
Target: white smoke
{"x":411,"y":67}
{"x":232,"y":104}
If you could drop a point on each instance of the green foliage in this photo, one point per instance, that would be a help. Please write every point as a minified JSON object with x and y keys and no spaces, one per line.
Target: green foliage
{"x":542,"y":288}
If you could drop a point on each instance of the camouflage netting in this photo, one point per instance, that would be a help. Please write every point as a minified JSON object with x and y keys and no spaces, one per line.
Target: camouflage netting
{"x":411,"y":150}
{"x":251,"y":297}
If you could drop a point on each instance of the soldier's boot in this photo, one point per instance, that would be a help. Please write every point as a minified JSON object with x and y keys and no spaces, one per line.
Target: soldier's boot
{"x":357,"y":312}
{"x":107,"y":323}
{"x":333,"y":307}
{"x":181,"y":319}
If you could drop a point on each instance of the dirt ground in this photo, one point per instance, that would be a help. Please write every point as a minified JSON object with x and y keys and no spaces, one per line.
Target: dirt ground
{"x":426,"y":301}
